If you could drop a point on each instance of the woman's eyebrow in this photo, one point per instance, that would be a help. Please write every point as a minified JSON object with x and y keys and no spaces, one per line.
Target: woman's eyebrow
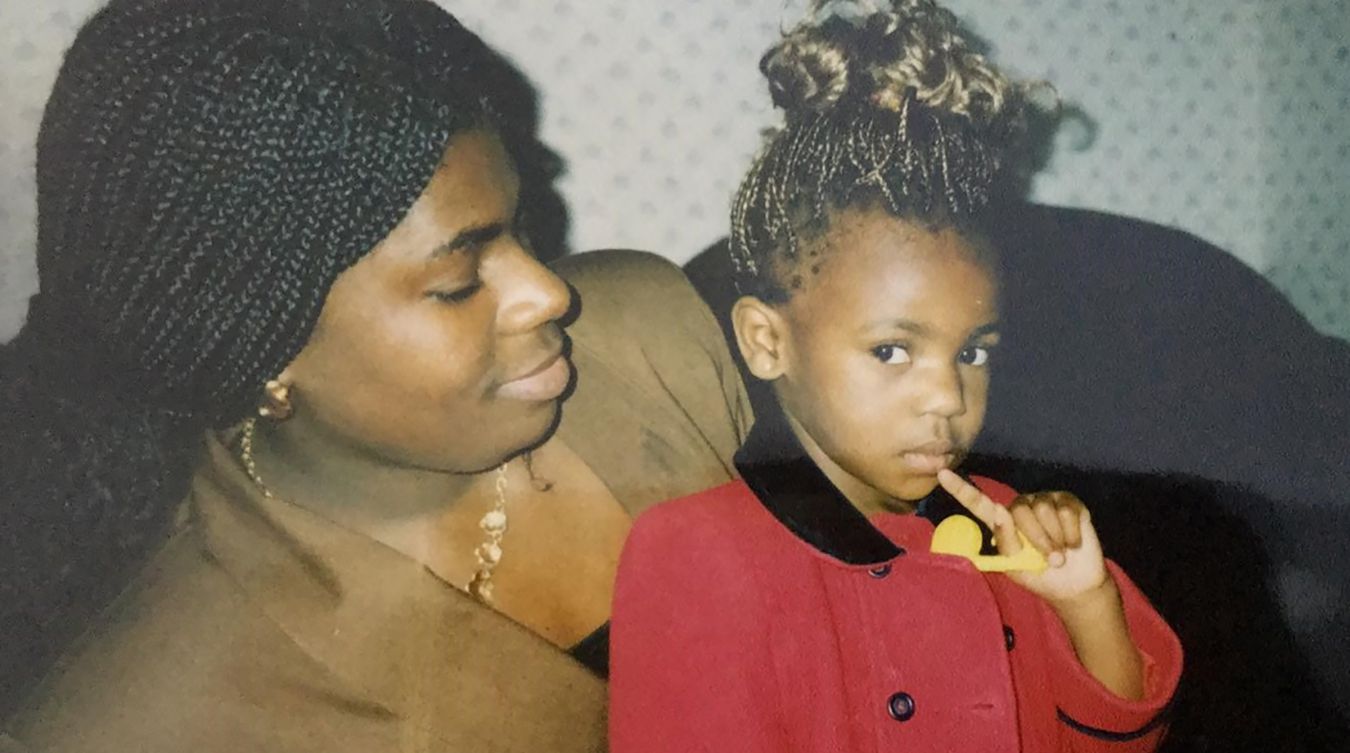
{"x":470,"y":237}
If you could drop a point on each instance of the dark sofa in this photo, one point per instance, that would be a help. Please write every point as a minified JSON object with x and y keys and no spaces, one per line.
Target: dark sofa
{"x":1208,"y":426}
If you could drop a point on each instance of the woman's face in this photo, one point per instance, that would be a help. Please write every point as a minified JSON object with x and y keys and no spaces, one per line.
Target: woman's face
{"x":441,"y":349}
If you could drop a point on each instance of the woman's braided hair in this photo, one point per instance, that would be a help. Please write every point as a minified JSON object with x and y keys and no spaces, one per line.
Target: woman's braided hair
{"x":206,"y":169}
{"x":886,"y":103}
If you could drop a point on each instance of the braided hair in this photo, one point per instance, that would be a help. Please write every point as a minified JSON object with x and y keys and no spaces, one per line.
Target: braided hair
{"x":206,"y":169}
{"x":886,"y":104}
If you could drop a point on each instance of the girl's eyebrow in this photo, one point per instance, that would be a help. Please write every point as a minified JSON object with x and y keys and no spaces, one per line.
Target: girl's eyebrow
{"x":910,"y":325}
{"x":923,"y":330}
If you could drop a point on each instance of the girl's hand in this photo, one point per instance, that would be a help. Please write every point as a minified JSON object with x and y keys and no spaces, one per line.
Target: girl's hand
{"x":1057,"y":524}
{"x":1076,"y":585}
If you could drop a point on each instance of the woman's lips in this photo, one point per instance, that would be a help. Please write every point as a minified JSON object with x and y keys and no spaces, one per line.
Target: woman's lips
{"x":547,"y":382}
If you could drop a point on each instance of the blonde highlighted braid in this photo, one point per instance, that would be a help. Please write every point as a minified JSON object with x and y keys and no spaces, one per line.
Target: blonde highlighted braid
{"x":885,"y":103}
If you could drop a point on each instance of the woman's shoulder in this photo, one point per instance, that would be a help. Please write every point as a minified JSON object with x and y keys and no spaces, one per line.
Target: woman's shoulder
{"x":625,"y":289}
{"x":625,"y":269}
{"x":651,"y":360}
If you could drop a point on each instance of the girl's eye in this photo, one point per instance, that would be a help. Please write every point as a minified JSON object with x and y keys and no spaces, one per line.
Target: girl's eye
{"x":975,"y":356}
{"x":457,"y":296}
{"x":891,"y":354}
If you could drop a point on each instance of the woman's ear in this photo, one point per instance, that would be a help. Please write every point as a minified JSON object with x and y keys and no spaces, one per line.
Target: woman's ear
{"x":761,"y":335}
{"x":277,"y":399}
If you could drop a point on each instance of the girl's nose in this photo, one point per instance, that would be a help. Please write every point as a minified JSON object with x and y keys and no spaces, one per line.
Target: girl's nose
{"x":943,"y":394}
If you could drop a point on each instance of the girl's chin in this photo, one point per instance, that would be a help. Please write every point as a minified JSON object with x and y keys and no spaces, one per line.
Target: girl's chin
{"x":908,"y":493}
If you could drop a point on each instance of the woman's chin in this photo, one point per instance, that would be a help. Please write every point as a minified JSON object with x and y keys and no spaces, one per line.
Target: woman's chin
{"x":539,"y":425}
{"x":526,"y":428}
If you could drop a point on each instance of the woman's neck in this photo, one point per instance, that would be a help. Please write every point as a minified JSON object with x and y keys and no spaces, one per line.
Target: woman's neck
{"x":350,"y":484}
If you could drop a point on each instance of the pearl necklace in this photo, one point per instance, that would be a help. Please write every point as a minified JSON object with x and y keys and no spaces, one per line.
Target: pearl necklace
{"x":488,"y":554}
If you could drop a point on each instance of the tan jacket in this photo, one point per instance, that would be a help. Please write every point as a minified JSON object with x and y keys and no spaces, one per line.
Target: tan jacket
{"x":261,"y":626}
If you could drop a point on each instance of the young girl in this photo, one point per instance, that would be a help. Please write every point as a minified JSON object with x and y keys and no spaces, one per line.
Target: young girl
{"x":801,"y":608}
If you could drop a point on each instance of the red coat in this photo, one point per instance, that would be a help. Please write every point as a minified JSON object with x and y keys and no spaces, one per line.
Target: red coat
{"x":776,"y":622}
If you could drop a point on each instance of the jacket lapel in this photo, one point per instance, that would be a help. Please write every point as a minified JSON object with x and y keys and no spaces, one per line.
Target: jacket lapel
{"x":398,"y":637}
{"x":795,"y":491}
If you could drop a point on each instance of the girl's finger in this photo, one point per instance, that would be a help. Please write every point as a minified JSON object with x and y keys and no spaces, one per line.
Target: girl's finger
{"x":1048,"y":515}
{"x":974,"y":500}
{"x":1030,"y":526}
{"x":1069,"y":522}
{"x":1087,"y":530}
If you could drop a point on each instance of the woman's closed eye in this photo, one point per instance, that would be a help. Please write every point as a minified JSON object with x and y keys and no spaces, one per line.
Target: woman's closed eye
{"x":891,"y":354}
{"x":458,"y":295}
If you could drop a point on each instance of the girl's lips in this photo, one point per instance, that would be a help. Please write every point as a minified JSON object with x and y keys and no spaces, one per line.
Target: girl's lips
{"x":928,"y":463}
{"x":545,"y":383}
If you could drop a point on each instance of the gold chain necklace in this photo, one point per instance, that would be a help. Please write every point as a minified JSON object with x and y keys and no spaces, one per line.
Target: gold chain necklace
{"x":488,"y":554}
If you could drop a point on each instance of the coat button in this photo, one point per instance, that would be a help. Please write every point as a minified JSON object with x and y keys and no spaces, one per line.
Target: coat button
{"x":901,"y":706}
{"x":1009,"y":637}
{"x":880,"y":571}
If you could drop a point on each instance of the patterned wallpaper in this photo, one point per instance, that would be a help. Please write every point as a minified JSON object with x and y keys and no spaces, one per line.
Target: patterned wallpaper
{"x":1228,"y":118}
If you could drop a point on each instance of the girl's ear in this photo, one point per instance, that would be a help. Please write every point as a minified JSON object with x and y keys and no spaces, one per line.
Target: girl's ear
{"x":761,"y":335}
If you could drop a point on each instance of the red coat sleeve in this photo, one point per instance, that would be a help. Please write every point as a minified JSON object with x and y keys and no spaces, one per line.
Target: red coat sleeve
{"x":1094,"y":718}
{"x":689,"y":664}
{"x":1097,"y":719}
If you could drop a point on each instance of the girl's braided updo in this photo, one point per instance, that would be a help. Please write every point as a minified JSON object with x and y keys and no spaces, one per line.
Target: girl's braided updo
{"x":886,"y":103}
{"x":206,"y":169}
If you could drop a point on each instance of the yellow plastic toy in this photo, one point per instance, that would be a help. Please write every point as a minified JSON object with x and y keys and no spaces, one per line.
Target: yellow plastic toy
{"x":961,"y":536}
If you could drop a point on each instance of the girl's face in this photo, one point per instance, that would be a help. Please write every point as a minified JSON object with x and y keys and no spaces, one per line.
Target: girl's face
{"x":884,"y":354}
{"x":441,"y":349}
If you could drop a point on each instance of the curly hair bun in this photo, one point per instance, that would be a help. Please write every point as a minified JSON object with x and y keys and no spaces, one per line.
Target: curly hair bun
{"x":877,"y":53}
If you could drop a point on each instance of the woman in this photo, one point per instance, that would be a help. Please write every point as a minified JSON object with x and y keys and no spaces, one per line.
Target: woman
{"x":297,"y":394}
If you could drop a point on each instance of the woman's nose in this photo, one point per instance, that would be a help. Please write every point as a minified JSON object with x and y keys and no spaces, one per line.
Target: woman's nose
{"x":531,"y":294}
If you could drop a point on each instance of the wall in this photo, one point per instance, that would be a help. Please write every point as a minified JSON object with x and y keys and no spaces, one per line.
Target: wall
{"x":1228,"y":118}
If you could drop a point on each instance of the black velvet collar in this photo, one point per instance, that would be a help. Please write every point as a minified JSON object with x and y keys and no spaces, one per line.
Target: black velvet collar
{"x":777,"y":469}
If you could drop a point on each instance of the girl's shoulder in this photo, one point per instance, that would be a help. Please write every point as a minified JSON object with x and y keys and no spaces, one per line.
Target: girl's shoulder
{"x":719,"y":528}
{"x":700,"y":559}
{"x":728,"y":512}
